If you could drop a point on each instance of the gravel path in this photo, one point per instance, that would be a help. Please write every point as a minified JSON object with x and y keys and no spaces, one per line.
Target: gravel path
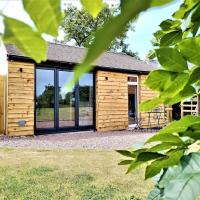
{"x":80,"y":140}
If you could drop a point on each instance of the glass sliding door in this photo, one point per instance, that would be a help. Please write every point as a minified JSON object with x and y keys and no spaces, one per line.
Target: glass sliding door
{"x":86,"y":100}
{"x":45,"y":98}
{"x":66,"y":100}
{"x":59,"y":109}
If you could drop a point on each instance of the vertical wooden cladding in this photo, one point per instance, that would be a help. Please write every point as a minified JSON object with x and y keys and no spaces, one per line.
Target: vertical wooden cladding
{"x":2,"y":104}
{"x":20,"y":105}
{"x":145,"y":94}
{"x":111,"y":101}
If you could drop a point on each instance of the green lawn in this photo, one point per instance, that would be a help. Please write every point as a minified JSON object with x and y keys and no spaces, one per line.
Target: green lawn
{"x":71,"y":174}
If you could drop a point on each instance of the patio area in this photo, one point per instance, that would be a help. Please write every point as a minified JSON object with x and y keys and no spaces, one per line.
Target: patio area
{"x":79,"y":140}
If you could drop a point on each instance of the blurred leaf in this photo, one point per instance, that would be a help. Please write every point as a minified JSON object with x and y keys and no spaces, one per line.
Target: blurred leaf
{"x":187,"y":92}
{"x":171,"y":59}
{"x":133,"y":166}
{"x":160,"y":80}
{"x":184,"y":180}
{"x":160,"y":2}
{"x":156,"y":166}
{"x":126,"y":153}
{"x":194,"y":75}
{"x":147,"y":156}
{"x":151,"y":55}
{"x":190,"y":48}
{"x":149,"y":104}
{"x":26,"y":40}
{"x":181,"y":125}
{"x":196,"y":14}
{"x":165,"y":138}
{"x":169,"y":174}
{"x":93,"y":7}
{"x":125,"y":162}
{"x":155,"y":194}
{"x":162,"y":146}
{"x":177,"y":85}
{"x":179,"y":14}
{"x":171,"y":38}
{"x":46,"y":14}
{"x":169,"y":25}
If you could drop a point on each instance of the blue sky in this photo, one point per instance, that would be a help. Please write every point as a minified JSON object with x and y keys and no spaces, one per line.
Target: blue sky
{"x":146,"y":25}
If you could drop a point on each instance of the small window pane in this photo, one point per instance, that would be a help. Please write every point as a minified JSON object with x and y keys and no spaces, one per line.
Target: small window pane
{"x":132,"y":79}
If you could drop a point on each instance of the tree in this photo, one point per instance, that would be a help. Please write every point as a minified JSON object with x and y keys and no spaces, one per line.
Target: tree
{"x":80,"y":27}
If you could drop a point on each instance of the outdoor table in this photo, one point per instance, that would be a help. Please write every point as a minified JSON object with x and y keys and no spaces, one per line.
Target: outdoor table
{"x":158,"y":115}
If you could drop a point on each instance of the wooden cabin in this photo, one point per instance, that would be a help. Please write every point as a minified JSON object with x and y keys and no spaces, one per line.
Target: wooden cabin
{"x":34,"y":98}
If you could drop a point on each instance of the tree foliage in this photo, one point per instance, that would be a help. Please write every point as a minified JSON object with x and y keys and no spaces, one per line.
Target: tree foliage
{"x":80,"y":27}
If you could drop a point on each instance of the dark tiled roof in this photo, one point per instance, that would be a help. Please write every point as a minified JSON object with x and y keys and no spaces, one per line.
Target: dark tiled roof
{"x":71,"y":54}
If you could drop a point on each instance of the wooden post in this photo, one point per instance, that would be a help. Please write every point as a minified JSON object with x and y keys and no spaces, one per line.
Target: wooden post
{"x":169,"y":113}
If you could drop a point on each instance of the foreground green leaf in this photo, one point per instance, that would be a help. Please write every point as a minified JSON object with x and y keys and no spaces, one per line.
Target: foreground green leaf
{"x":93,"y":7}
{"x":160,"y":2}
{"x":181,"y":125}
{"x":155,"y":194}
{"x":171,"y":59}
{"x":184,"y":180}
{"x":194,"y":75}
{"x":126,"y":153}
{"x":25,"y":39}
{"x":187,"y":92}
{"x":150,"y":104}
{"x":160,"y":80}
{"x":177,"y":85}
{"x":165,"y":138}
{"x":46,"y":14}
{"x":163,"y":146}
{"x":190,"y":48}
{"x":171,"y":38}
{"x":156,"y":166}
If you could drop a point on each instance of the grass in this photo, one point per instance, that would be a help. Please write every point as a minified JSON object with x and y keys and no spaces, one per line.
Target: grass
{"x":73,"y":174}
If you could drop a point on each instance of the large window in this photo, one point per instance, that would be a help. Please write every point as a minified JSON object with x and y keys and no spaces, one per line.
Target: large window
{"x":57,"y":107}
{"x":66,"y":100}
{"x":45,"y":98}
{"x":86,"y":100}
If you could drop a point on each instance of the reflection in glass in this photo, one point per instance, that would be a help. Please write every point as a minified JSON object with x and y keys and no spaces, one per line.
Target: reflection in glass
{"x":86,"y":100}
{"x":44,"y":98}
{"x":66,"y":101}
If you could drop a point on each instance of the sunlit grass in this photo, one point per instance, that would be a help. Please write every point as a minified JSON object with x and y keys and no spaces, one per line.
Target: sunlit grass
{"x":72,"y":174}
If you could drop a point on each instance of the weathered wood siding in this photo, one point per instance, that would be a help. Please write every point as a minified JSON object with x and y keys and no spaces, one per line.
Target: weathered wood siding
{"x":145,"y":94}
{"x":2,"y":104}
{"x":111,"y":101}
{"x":20,"y":105}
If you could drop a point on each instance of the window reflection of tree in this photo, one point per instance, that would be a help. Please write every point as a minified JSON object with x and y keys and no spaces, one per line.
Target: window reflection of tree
{"x":46,"y":99}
